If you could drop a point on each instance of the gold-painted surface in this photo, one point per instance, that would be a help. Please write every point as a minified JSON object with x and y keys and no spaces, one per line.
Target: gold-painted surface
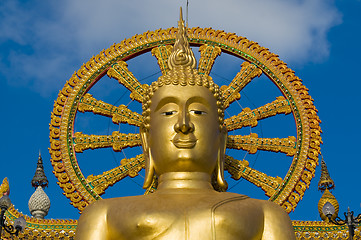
{"x":117,"y":141}
{"x":59,"y":229}
{"x":153,"y":186}
{"x":244,"y":76}
{"x":327,"y":196}
{"x":129,"y":167}
{"x":182,"y":55}
{"x":162,"y":54}
{"x":240,"y":169}
{"x":208,"y":55}
{"x":322,"y":230}
{"x":120,"y":72}
{"x":4,"y":187}
{"x":36,"y":229}
{"x":250,"y":117}
{"x":119,"y":114}
{"x":308,"y":137}
{"x":251,"y":143}
{"x":184,"y":146}
{"x":185,"y":206}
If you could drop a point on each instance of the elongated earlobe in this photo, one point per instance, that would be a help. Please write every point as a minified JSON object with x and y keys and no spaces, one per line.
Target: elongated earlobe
{"x":149,"y":170}
{"x":149,"y":164}
{"x":222,"y":184}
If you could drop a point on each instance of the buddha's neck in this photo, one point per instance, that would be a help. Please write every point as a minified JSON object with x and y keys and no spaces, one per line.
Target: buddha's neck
{"x":183,"y":181}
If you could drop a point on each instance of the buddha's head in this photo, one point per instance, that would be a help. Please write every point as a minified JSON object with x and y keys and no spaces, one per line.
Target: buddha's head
{"x":183,"y":113}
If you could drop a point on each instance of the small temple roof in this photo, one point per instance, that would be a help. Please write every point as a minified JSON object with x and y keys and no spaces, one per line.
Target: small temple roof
{"x":325,"y":180}
{"x":39,"y":178}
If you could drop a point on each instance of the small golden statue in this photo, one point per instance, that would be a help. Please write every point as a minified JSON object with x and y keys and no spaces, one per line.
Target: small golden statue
{"x":184,"y":142}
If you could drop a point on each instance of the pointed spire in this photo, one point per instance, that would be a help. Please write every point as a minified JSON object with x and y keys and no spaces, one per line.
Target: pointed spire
{"x":39,"y":178}
{"x":182,"y":55}
{"x":325,"y":180}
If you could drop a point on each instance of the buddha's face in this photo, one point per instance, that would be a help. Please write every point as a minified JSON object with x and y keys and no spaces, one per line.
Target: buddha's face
{"x":184,"y":133}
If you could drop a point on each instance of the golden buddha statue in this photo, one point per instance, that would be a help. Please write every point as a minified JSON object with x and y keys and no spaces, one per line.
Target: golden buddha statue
{"x":184,"y":142}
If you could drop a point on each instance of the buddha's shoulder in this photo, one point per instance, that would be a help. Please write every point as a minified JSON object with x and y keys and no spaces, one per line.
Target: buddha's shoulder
{"x":103,"y":206}
{"x":234,"y":199}
{"x":221,"y":201}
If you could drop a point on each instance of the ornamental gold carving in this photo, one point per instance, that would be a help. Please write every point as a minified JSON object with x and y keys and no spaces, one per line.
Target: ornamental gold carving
{"x":119,"y":114}
{"x":208,"y":55}
{"x":240,"y":168}
{"x":162,"y":54}
{"x":249,"y":117}
{"x":251,"y":143}
{"x":117,"y":141}
{"x":129,"y":167}
{"x":243,"y":77}
{"x":120,"y":72}
{"x":258,"y":60}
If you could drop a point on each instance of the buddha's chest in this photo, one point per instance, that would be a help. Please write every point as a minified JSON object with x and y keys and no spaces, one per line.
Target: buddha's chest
{"x":189,"y":220}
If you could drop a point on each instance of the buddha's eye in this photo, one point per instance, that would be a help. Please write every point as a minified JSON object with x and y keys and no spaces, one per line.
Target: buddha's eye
{"x":198,"y":112}
{"x":168,"y":113}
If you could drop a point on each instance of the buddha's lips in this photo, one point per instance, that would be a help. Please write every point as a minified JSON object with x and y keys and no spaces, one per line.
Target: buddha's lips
{"x":185,"y":141}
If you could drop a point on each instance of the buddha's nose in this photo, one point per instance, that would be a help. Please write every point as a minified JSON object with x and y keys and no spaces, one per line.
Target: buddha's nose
{"x":184,"y":125}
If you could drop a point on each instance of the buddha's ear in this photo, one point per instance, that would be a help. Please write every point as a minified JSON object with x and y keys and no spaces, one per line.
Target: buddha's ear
{"x":144,"y":132}
{"x":222,"y":184}
{"x":149,"y":164}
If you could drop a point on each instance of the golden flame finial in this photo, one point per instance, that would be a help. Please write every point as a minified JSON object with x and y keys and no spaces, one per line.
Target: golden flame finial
{"x":325,"y":185}
{"x":182,"y":55}
{"x":4,"y":187}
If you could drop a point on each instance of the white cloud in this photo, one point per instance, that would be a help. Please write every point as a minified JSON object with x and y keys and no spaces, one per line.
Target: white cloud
{"x":295,"y":30}
{"x":43,"y":43}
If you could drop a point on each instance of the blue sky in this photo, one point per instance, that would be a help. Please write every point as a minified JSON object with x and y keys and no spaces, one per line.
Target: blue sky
{"x":42,"y":44}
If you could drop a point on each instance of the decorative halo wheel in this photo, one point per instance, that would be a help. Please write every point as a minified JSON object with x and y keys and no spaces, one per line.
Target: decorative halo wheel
{"x":65,"y":143}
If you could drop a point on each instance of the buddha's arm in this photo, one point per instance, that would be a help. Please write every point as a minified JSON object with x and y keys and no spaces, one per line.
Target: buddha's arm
{"x":277,"y":224}
{"x":92,"y":224}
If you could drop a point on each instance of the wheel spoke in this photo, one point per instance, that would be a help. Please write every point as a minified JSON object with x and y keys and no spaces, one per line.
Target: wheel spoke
{"x":125,"y":77}
{"x":249,"y":117}
{"x":129,"y":167}
{"x":73,"y":99}
{"x":117,"y":140}
{"x":162,"y":53}
{"x":208,"y":54}
{"x":244,"y":76}
{"x":119,"y":114}
{"x":251,"y":143}
{"x":240,"y":168}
